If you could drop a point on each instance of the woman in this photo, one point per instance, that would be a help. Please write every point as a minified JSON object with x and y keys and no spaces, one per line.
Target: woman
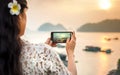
{"x":19,"y":57}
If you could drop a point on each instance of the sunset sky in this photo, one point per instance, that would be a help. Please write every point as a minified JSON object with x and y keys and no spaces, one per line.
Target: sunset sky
{"x":71,"y":13}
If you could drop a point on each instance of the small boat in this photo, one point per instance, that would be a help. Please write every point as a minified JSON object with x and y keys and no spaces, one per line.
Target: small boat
{"x":116,"y":38}
{"x":96,"y":49}
{"x":107,"y":39}
{"x":107,"y":50}
{"x":92,"y":48}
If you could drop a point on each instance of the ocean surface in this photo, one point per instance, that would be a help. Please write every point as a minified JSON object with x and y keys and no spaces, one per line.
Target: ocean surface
{"x":88,"y":63}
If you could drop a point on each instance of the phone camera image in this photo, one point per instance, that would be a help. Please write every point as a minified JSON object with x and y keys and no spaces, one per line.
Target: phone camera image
{"x":60,"y":37}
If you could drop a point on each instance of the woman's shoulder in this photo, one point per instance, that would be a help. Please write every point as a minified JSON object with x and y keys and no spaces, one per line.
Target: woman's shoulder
{"x":35,"y":51}
{"x":40,"y":47}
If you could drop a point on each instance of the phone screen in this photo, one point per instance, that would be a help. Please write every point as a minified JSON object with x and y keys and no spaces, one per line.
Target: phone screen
{"x":60,"y":37}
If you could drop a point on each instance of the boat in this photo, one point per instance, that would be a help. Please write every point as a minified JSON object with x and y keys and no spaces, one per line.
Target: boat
{"x":96,"y":49}
{"x":92,"y":48}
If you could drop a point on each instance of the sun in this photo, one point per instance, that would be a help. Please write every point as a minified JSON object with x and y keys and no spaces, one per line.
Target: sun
{"x":104,"y":4}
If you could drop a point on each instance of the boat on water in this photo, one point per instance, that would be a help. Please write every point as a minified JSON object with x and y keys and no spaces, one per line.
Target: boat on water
{"x":96,"y":49}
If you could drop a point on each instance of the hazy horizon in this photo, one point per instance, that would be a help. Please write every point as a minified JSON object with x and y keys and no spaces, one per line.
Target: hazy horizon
{"x":70,"y":13}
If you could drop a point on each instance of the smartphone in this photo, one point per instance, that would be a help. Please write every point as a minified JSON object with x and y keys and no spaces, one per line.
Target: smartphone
{"x":60,"y":37}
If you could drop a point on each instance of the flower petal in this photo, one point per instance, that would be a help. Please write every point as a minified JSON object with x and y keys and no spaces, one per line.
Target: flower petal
{"x":11,"y":12}
{"x":19,"y":6}
{"x":10,"y":5}
{"x":15,"y":2}
{"x":17,"y":13}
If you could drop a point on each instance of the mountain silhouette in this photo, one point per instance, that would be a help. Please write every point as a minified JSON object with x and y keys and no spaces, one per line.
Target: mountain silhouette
{"x":108,"y":25}
{"x":51,"y":27}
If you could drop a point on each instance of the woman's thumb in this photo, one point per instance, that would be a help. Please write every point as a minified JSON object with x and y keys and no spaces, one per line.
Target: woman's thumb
{"x":68,"y":40}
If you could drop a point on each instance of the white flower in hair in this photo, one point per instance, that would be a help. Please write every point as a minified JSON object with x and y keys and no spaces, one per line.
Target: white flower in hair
{"x":14,"y":8}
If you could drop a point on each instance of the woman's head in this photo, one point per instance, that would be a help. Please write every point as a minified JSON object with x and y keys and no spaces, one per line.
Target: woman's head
{"x":14,"y":21}
{"x":11,"y":27}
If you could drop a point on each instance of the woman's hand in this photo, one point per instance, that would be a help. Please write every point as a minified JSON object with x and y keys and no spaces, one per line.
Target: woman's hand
{"x":70,"y":44}
{"x":49,"y":42}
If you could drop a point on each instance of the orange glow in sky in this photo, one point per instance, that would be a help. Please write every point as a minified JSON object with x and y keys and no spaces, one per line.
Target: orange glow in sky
{"x":71,"y":13}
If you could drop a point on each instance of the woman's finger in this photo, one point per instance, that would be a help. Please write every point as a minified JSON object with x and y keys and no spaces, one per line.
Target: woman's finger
{"x":73,"y":36}
{"x":48,"y":41}
{"x":54,"y":44}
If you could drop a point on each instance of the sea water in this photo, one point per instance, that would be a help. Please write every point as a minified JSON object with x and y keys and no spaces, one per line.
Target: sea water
{"x":88,"y":63}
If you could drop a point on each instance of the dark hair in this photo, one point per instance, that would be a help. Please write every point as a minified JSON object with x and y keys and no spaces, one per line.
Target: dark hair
{"x":10,"y":43}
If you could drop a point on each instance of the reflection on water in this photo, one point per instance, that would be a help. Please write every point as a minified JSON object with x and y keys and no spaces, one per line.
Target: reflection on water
{"x":89,"y":63}
{"x":103,"y":39}
{"x":103,"y":61}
